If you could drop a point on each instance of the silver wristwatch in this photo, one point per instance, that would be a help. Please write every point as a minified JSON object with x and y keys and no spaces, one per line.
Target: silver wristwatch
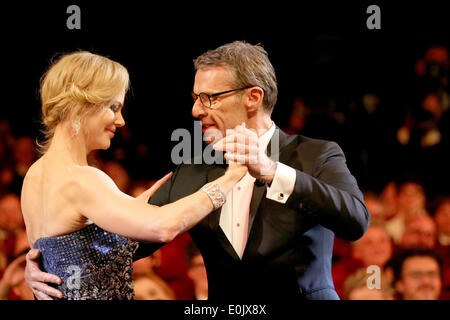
{"x":215,"y":193}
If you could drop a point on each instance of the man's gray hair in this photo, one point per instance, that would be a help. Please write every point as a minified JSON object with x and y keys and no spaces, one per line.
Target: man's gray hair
{"x":250,"y":65}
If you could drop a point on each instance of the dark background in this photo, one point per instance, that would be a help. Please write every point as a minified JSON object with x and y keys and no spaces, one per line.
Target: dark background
{"x":322,"y":52}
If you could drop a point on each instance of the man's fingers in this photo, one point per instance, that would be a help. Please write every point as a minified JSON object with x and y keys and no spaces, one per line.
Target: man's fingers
{"x":46,"y":277}
{"x":41,"y":296}
{"x":33,"y":254}
{"x":241,"y":148}
{"x":241,"y":158}
{"x":228,"y":143}
{"x":46,"y":290}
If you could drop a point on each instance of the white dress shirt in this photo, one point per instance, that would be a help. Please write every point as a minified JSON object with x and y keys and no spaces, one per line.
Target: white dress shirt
{"x":235,"y":212}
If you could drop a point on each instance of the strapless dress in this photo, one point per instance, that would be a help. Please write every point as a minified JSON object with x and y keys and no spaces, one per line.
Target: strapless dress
{"x":93,"y":264}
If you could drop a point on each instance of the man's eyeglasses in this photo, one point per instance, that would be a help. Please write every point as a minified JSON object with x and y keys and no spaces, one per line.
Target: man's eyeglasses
{"x":205,"y":98}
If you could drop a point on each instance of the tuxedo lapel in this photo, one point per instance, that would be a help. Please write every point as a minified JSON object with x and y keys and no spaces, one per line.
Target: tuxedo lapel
{"x":277,"y":150}
{"x":278,"y":142}
{"x":258,"y":192}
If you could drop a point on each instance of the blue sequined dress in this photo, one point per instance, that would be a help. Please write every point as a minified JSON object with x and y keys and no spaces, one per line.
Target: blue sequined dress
{"x":93,"y":264}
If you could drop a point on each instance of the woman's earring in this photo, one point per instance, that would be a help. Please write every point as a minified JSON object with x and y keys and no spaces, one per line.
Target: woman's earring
{"x":76,"y":125}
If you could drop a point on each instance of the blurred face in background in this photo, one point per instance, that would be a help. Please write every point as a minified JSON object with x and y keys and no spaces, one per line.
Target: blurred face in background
{"x":419,"y":232}
{"x":411,"y":199}
{"x":420,"y":280}
{"x":376,"y":208}
{"x":24,"y":152}
{"x":374,"y":248}
{"x":197,"y":273}
{"x":389,"y":198}
{"x":118,"y":174}
{"x":145,"y":265}
{"x":19,"y":286}
{"x":442,"y":217}
{"x":148,"y":288}
{"x":11,"y":217}
{"x":364,"y":293}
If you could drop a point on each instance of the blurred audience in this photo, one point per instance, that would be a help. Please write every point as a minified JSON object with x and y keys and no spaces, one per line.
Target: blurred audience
{"x":378,"y":214}
{"x":357,"y":288}
{"x":197,"y":271}
{"x":418,"y":274}
{"x":174,"y":267}
{"x":374,"y":248}
{"x":377,"y":208}
{"x":118,"y":174}
{"x":420,"y":231}
{"x":147,"y":284}
{"x":152,"y":287}
{"x":388,"y":196}
{"x":442,"y":218}
{"x":411,"y":202}
{"x":12,"y":284}
{"x":13,"y":239}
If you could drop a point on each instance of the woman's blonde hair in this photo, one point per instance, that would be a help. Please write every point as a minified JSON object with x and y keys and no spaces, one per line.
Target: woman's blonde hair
{"x":76,"y":84}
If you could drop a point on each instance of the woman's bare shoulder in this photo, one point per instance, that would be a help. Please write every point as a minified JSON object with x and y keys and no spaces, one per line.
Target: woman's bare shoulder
{"x":86,"y":175}
{"x":32,"y":178}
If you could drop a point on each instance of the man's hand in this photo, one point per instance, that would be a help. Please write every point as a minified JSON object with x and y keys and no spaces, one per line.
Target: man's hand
{"x":36,"y":279}
{"x":241,"y":145}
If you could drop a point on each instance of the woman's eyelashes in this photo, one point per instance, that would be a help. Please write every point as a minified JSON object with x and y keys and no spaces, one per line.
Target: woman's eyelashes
{"x":114,"y":107}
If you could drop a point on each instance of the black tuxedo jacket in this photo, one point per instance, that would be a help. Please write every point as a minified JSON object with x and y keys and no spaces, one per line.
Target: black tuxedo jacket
{"x":289,"y":249}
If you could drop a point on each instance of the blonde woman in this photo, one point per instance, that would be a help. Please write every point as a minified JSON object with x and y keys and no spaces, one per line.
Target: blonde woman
{"x":74,"y":213}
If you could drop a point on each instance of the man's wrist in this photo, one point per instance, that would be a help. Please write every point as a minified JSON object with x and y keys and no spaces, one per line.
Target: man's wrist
{"x":268,"y":174}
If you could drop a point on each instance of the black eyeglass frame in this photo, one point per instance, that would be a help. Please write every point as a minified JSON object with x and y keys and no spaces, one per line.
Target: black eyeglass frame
{"x":196,"y":96}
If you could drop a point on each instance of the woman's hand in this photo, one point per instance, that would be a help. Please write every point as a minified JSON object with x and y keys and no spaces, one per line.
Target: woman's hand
{"x":237,"y":170}
{"x":147,"y":194}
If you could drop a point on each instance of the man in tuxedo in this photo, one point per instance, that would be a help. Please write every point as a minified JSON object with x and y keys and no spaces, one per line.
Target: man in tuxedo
{"x":273,"y":238}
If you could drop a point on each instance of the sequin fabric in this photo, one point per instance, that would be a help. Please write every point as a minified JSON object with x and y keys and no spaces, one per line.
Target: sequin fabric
{"x":93,"y":264}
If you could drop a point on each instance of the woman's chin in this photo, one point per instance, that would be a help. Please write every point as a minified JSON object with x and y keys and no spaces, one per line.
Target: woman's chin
{"x":105,"y":145}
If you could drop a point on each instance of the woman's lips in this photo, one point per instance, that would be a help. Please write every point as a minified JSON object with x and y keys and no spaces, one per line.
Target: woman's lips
{"x":111,"y":131}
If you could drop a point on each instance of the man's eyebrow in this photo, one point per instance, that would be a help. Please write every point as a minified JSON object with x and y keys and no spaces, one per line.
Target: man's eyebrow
{"x":208,"y":92}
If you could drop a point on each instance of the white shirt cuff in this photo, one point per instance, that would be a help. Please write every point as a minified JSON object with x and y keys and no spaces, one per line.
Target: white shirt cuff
{"x":283,"y":183}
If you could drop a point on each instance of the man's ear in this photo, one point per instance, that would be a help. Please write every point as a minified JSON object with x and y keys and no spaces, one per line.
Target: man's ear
{"x":254,"y":98}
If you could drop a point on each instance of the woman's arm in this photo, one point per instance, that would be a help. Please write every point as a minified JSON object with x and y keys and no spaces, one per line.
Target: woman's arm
{"x":97,"y":198}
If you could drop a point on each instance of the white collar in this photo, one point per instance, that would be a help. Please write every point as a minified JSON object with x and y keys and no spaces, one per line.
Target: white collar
{"x":264,"y":139}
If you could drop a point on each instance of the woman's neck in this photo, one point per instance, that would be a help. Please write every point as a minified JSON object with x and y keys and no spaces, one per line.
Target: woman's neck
{"x":68,"y":145}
